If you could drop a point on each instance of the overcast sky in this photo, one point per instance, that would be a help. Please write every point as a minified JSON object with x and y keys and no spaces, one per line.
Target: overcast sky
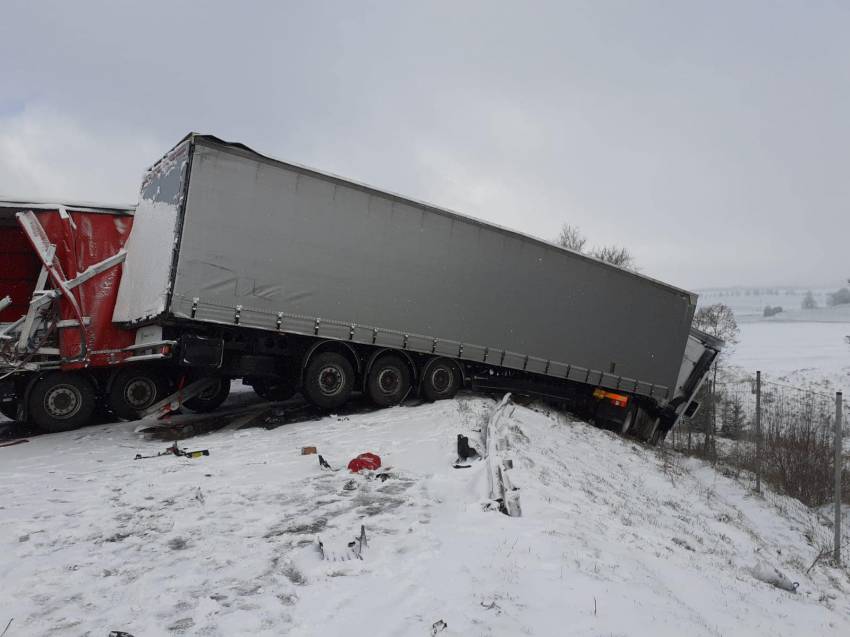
{"x":711,"y":138}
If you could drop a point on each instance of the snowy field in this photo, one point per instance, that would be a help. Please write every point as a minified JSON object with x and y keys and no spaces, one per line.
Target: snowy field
{"x":614,"y":539}
{"x":799,"y":353}
{"x":807,"y":348}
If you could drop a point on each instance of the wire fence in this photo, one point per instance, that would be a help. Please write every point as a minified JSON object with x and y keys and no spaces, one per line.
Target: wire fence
{"x":769,"y":433}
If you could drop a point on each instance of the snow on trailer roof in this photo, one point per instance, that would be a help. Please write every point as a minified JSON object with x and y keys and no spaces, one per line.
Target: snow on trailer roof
{"x":242,"y":148}
{"x":73,"y":206}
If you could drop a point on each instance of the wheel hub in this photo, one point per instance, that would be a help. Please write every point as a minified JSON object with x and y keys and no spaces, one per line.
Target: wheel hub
{"x":441,"y":379}
{"x":389,"y":380}
{"x":139,"y":392}
{"x":331,"y":380}
{"x":62,"y":402}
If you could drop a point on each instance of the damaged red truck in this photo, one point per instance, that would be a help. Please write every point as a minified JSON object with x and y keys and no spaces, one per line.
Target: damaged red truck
{"x":61,"y":356}
{"x":234,"y":265}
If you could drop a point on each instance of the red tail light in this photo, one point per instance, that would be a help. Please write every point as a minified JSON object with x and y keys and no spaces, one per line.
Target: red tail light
{"x":618,"y":400}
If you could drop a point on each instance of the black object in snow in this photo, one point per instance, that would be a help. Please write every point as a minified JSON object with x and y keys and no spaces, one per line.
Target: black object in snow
{"x":464,"y":451}
{"x":174,"y":450}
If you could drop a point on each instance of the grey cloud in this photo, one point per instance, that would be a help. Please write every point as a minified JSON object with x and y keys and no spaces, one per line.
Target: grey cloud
{"x":711,"y":138}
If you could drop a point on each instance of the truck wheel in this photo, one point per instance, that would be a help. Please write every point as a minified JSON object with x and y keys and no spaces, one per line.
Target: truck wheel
{"x":10,"y":409}
{"x":276,"y":391}
{"x":133,"y":390}
{"x":328,"y":380}
{"x":211,"y":398}
{"x":61,"y":401}
{"x":629,"y":420}
{"x":643,"y":425}
{"x":441,"y":380}
{"x":389,"y":381}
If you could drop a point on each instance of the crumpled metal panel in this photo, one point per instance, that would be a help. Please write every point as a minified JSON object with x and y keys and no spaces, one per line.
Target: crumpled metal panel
{"x":88,"y":239}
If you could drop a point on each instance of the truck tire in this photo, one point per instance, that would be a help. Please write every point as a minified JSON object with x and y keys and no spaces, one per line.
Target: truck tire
{"x":629,"y":420}
{"x":440,"y":380}
{"x":10,"y":409}
{"x":134,"y":389}
{"x":275,"y":391}
{"x":62,"y":401}
{"x":643,"y":426}
{"x":211,"y":398}
{"x":389,"y":381}
{"x":328,"y":380}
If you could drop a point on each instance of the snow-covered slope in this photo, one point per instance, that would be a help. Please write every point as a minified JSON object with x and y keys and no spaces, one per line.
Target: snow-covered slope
{"x":615,"y":539}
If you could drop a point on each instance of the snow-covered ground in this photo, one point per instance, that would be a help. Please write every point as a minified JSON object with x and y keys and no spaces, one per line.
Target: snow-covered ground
{"x":807,"y":348}
{"x":615,"y":538}
{"x":798,"y":353}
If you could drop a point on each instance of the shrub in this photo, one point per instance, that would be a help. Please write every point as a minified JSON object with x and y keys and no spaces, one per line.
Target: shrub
{"x":840,"y":297}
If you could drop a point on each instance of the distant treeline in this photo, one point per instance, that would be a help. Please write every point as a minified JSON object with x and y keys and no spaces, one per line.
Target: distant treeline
{"x":753,"y":292}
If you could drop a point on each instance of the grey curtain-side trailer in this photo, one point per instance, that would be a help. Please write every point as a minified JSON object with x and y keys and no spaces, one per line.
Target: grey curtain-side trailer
{"x":297,"y":280}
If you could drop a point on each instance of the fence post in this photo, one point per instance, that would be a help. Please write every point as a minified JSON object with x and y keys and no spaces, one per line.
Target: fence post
{"x":709,"y":423}
{"x":758,"y":432}
{"x":839,"y":461}
{"x":714,"y":420}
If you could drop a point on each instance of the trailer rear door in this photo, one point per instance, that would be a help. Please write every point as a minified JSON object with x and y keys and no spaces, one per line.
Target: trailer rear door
{"x":151,"y":248}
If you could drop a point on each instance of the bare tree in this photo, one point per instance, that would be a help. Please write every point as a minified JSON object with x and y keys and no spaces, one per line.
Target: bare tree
{"x":809,"y":302}
{"x":571,"y":238}
{"x":718,"y":320}
{"x":615,"y":255}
